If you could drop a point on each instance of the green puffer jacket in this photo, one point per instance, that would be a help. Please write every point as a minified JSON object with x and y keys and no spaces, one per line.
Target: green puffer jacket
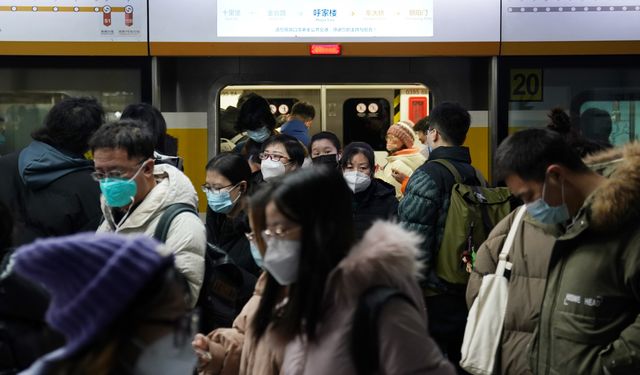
{"x":590,"y":322}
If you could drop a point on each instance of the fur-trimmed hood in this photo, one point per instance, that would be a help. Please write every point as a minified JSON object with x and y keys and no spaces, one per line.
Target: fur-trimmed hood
{"x":386,"y":255}
{"x":617,"y":200}
{"x":604,"y":162}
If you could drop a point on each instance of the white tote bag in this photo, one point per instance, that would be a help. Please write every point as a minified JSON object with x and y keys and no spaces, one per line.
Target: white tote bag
{"x":483,"y":332}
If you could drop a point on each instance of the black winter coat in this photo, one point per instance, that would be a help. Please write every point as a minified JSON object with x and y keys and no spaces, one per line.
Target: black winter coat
{"x":58,"y":198}
{"x":377,"y":202}
{"x":229,"y":234}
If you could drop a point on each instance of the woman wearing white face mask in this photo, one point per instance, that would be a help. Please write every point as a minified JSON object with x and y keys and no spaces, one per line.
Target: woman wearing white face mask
{"x":311,"y":252}
{"x":227,"y":183}
{"x":281,"y":154}
{"x":373,"y":199}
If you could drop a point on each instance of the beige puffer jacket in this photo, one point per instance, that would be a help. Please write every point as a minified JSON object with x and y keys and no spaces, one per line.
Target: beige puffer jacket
{"x":530,"y":257}
{"x":187,"y":236}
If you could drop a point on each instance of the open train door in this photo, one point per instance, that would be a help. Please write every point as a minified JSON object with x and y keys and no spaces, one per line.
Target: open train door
{"x":366,"y":120}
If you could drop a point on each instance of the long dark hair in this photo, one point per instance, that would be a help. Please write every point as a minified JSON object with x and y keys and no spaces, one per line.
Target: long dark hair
{"x":319,"y":200}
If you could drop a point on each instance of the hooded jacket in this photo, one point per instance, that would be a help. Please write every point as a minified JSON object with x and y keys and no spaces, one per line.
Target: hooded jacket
{"x":49,"y":192}
{"x":589,"y":321}
{"x":529,"y":256}
{"x":385,"y":256}
{"x":187,"y":236}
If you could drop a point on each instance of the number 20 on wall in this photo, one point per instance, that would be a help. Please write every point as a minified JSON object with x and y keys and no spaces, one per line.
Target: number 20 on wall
{"x":526,"y":85}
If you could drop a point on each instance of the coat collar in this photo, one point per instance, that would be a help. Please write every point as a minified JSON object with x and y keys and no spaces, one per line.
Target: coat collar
{"x":617,"y":201}
{"x":455,"y":153}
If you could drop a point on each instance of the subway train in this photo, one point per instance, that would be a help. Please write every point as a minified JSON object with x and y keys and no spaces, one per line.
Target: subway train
{"x":502,"y":94}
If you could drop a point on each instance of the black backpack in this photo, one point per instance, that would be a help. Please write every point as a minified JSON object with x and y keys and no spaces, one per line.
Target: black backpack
{"x":226,"y":287}
{"x":364,"y":334}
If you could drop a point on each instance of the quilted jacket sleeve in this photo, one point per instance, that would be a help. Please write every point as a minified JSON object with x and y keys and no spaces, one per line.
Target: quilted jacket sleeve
{"x":418,"y":212}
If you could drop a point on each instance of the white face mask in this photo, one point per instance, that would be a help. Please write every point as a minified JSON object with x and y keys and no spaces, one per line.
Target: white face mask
{"x":164,"y":357}
{"x":357,"y":181}
{"x":271,"y":169}
{"x":282,"y":259}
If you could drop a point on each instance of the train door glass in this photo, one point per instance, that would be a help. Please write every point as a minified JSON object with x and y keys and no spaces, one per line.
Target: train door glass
{"x":615,"y":122}
{"x":366,"y":120}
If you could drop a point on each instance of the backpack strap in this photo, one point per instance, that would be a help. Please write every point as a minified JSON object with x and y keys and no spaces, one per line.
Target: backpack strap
{"x":452,"y":169}
{"x":458,"y":177}
{"x":162,"y":229}
{"x":364,"y":334}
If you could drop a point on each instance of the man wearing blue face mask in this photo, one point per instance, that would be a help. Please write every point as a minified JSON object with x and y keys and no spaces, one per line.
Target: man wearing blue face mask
{"x":589,"y":321}
{"x":136,"y":192}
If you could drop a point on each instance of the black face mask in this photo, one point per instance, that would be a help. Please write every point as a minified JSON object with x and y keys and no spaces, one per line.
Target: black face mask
{"x":330,"y":160}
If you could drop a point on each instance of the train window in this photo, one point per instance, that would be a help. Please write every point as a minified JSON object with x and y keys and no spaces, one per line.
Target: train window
{"x":613,"y":122}
{"x":27,"y":95}
{"x":339,"y":108}
{"x":366,"y":120}
{"x":600,"y":94}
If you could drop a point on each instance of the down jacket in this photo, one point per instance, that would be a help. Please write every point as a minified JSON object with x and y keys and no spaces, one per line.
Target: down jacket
{"x":387,"y":256}
{"x":405,"y":161}
{"x":187,"y":236}
{"x":530,"y":258}
{"x":590,"y":316}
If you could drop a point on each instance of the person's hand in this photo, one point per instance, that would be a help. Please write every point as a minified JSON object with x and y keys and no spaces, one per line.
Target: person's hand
{"x":200,"y":345}
{"x":398,"y":176}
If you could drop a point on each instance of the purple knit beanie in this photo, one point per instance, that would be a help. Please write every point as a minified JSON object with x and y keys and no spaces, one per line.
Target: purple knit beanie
{"x":91,"y":278}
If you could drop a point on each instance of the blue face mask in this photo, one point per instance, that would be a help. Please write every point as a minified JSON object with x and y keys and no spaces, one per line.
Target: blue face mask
{"x":546,"y":214}
{"x":221,"y":202}
{"x":259,"y":135}
{"x":257,"y":257}
{"x":119,"y":192}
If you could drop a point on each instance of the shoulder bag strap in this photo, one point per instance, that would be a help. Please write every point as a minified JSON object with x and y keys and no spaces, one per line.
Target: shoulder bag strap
{"x":508,"y":243}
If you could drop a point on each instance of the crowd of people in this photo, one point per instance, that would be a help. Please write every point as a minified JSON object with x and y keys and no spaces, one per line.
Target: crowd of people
{"x":107,"y":268}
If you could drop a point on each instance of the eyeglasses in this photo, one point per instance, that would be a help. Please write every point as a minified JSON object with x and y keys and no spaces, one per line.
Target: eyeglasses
{"x":279,"y":232}
{"x":116,"y":173}
{"x":208,"y":189}
{"x":274,"y":157}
